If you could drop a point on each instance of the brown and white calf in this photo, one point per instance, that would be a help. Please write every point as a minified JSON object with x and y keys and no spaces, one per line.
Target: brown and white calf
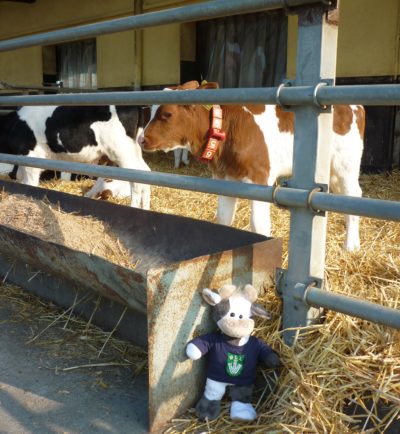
{"x":258,"y":148}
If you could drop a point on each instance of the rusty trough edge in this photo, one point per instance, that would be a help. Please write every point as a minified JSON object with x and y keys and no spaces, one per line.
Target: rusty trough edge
{"x":88,"y":271}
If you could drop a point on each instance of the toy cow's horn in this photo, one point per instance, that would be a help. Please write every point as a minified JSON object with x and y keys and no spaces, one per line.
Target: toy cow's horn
{"x":226,"y":291}
{"x":250,"y":293}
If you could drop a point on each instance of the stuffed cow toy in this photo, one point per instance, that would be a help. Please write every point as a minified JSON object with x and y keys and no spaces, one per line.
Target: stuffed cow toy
{"x":233,"y":353}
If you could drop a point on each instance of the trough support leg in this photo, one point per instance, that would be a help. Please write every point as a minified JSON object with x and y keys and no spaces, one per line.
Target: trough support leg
{"x":316,"y":63}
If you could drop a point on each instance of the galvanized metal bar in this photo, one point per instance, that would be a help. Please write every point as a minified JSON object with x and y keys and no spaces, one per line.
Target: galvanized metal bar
{"x":193,"y":183}
{"x":349,"y":305}
{"x":316,"y":58}
{"x":289,"y":96}
{"x":366,"y":207}
{"x":361,"y":206}
{"x":224,"y":96}
{"x":375,"y":208}
{"x":196,"y":12}
{"x":377,"y":94}
{"x":50,"y":88}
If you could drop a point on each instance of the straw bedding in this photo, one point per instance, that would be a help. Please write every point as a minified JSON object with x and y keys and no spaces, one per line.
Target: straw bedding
{"x":340,"y":376}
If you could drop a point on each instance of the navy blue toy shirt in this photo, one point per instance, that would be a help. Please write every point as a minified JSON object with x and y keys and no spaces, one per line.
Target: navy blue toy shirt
{"x":231,"y":363}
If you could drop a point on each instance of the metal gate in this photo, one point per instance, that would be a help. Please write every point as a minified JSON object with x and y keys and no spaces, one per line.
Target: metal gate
{"x":309,"y":96}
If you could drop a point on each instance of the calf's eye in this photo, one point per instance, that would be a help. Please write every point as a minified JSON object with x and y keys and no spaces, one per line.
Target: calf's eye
{"x":166,"y":115}
{"x":232,"y":314}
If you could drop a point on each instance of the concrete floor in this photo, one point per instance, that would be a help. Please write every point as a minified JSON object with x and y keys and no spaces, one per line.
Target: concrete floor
{"x":37,"y":400}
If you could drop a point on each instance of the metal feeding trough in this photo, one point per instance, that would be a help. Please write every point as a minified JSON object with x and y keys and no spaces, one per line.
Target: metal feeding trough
{"x":177,"y":257}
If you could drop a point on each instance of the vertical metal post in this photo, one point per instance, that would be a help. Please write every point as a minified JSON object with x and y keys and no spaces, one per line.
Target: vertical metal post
{"x":316,"y":63}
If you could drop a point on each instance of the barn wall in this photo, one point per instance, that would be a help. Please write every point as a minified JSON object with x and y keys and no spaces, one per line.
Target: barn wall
{"x":26,"y":66}
{"x":368,"y":44}
{"x":116,"y":60}
{"x":120,"y":63}
{"x":163,"y":49}
{"x":18,"y":19}
{"x":161,"y":55}
{"x":368,"y":53}
{"x":22,"y":67}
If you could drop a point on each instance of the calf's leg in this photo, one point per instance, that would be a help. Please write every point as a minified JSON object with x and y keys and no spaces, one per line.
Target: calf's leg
{"x":349,"y":186}
{"x":226,"y":210}
{"x":129,"y":155}
{"x":29,"y":175}
{"x":260,"y":218}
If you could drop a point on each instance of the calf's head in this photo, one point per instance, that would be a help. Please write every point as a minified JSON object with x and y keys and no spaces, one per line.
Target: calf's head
{"x":234,"y":308}
{"x":173,"y":126}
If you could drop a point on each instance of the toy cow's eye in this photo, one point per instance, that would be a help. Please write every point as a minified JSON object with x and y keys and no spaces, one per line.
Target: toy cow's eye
{"x":240,"y":316}
{"x":232,"y":314}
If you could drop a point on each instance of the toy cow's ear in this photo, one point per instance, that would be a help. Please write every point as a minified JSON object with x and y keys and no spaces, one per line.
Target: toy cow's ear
{"x":226,"y":291}
{"x":258,"y":310}
{"x":250,"y":293}
{"x":211,"y":297}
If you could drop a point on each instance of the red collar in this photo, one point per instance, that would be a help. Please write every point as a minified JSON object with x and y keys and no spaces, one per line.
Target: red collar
{"x":215,"y":135}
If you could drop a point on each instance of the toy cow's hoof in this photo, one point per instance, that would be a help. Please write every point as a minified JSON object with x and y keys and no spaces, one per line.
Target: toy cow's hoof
{"x":208,"y":409}
{"x":242,"y":411}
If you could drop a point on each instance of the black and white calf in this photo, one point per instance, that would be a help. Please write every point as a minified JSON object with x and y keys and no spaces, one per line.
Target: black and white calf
{"x":77,"y":133}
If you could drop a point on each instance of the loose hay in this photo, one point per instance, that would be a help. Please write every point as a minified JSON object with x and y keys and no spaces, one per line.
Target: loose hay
{"x":50,"y":223}
{"x":341,"y":376}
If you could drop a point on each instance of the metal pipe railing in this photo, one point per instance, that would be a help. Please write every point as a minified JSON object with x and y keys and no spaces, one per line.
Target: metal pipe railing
{"x":381,"y":209}
{"x":46,"y":88}
{"x":348,"y":305}
{"x":361,"y":206}
{"x":196,"y":12}
{"x":379,"y":94}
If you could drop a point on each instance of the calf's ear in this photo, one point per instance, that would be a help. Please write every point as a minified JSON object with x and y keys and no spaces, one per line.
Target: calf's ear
{"x":189,"y":85}
{"x":258,"y":310}
{"x":211,"y":297}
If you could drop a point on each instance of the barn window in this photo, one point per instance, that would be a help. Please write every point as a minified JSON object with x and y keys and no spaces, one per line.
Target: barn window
{"x":76,"y":64}
{"x":244,"y":51}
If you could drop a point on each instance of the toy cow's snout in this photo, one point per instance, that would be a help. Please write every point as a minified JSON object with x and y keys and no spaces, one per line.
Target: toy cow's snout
{"x":234,"y":319}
